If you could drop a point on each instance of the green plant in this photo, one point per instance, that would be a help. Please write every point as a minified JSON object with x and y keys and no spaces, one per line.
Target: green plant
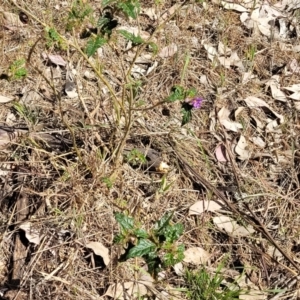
{"x":108,"y":182}
{"x":17,"y":69}
{"x":164,"y":185}
{"x":53,"y":38}
{"x":135,"y":157}
{"x":79,"y":11}
{"x":131,"y":8}
{"x":203,"y":286}
{"x":158,"y":246}
{"x":30,"y":116}
{"x":190,"y":101}
{"x":94,"y":44}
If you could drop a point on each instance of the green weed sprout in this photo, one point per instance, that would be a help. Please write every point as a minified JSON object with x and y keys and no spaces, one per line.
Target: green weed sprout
{"x":17,"y":69}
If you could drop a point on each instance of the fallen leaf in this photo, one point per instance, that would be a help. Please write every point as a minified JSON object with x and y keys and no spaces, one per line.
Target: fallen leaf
{"x":295,"y":88}
{"x":168,"y":51}
{"x":57,"y":60}
{"x":254,"y":102}
{"x":211,"y":51}
{"x":32,"y":235}
{"x":115,"y":291}
{"x":234,"y":6}
{"x":100,"y":250}
{"x":242,"y":148}
{"x":223,"y":116}
{"x":294,"y":66}
{"x":258,"y":141}
{"x":12,"y":21}
{"x":4,"y":99}
{"x":196,"y":256}
{"x":132,"y":289}
{"x":178,"y":269}
{"x":232,"y":227}
{"x":150,"y":12}
{"x":204,"y":205}
{"x":164,"y":16}
{"x":274,"y":85}
{"x":70,"y":89}
{"x":220,"y":153}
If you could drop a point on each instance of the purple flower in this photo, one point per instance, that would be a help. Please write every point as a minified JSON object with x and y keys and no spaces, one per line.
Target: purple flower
{"x":195,"y":102}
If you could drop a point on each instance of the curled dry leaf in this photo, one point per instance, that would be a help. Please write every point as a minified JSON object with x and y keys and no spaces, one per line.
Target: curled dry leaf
{"x":223,"y":116}
{"x":295,"y":88}
{"x":32,"y":235}
{"x":254,"y":102}
{"x":220,"y":153}
{"x":232,"y":227}
{"x":200,"y":206}
{"x":196,"y":256}
{"x":274,"y":85}
{"x":242,"y":148}
{"x":100,"y":250}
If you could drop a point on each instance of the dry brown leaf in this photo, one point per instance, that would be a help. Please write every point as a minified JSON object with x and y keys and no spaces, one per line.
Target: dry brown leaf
{"x":115,"y":291}
{"x":242,"y":148}
{"x":223,"y":116}
{"x":220,"y":153}
{"x":57,"y":60}
{"x":254,"y":102}
{"x":178,"y":269}
{"x":231,"y":226}
{"x":204,"y":205}
{"x":100,"y":250}
{"x":196,"y":256}
{"x":4,"y":99}
{"x":32,"y":235}
{"x":11,"y":20}
{"x":274,"y":85}
{"x":168,"y":51}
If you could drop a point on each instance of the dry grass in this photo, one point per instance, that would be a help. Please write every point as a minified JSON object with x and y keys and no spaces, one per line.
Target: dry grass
{"x":65,"y":176}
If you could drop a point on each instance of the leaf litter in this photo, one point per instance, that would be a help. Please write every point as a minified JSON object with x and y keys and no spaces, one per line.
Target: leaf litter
{"x":247,"y":73}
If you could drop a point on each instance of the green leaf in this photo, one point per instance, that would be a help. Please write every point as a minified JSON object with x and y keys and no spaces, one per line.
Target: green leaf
{"x":143,"y":247}
{"x":140,"y":233}
{"x":126,"y":223}
{"x":191,"y":93}
{"x":131,"y":8}
{"x":94,"y":44}
{"x":173,"y":233}
{"x":172,"y":258}
{"x":186,"y":113}
{"x":107,"y":2}
{"x":161,"y":224}
{"x":135,"y":39}
{"x":153,"y":47}
{"x":119,"y":238}
{"x":177,"y":93}
{"x":102,"y":21}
